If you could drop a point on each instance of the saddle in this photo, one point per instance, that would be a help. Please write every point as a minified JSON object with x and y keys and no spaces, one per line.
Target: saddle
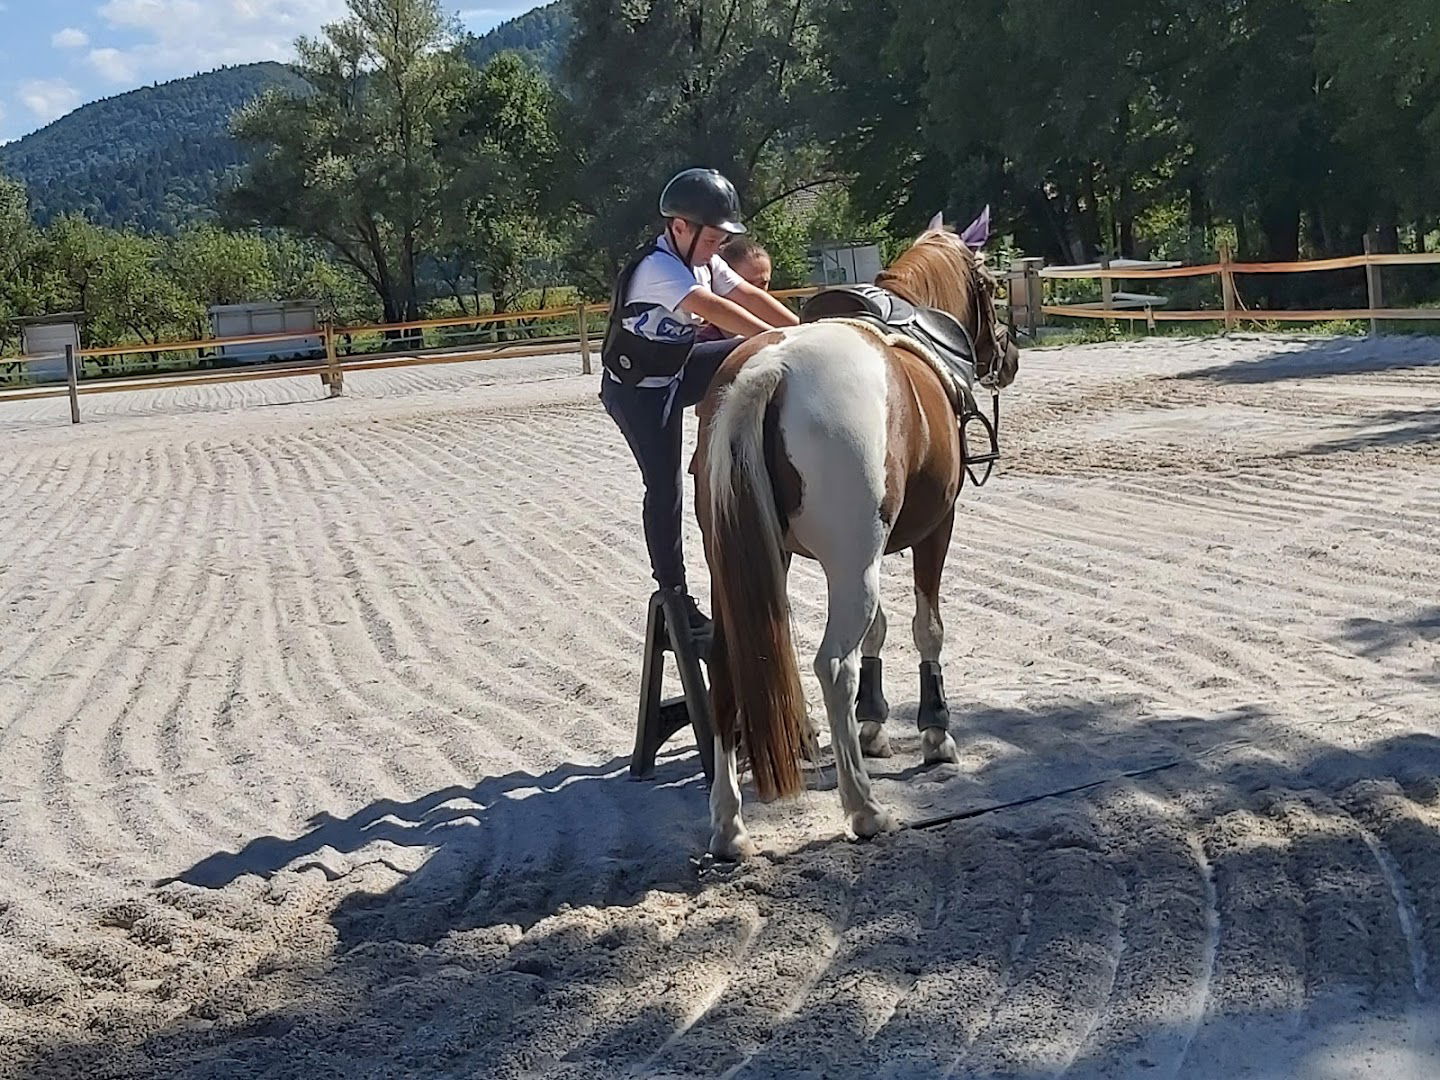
{"x":938,"y":333}
{"x":938,"y":337}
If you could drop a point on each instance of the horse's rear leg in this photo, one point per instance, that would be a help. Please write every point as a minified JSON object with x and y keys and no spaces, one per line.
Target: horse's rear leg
{"x":728,"y":837}
{"x":811,"y":750}
{"x":871,"y":708}
{"x":853,"y":602}
{"x":933,"y":717}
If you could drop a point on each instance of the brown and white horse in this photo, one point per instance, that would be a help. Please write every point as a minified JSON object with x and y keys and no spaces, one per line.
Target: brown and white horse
{"x":832,"y":441}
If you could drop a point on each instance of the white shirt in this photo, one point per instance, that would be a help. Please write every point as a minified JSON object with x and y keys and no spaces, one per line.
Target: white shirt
{"x":662,"y":281}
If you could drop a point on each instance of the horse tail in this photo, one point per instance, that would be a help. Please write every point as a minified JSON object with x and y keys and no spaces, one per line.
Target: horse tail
{"x":755,"y":674}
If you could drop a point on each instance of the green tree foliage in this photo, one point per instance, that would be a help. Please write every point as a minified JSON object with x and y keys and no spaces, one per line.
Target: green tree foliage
{"x":214,"y":266}
{"x":653,"y":87}
{"x":19,"y":241}
{"x":1379,"y":72}
{"x":151,"y":287}
{"x":73,"y":263}
{"x":1292,"y":126}
{"x":499,"y":151}
{"x":356,"y":162}
{"x":1298,"y":122}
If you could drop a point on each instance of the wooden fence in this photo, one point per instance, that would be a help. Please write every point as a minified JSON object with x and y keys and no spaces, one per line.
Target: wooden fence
{"x":1026,"y":280}
{"x":1234,"y":312}
{"x":332,"y":368}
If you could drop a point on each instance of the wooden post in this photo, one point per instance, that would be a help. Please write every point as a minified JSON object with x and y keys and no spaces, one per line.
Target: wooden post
{"x":1372,"y":286}
{"x":1035,"y":296}
{"x":1107,"y":290}
{"x":73,"y":378}
{"x":584,"y":332}
{"x":333,"y":377}
{"x":1030,"y":286}
{"x":1227,"y":286}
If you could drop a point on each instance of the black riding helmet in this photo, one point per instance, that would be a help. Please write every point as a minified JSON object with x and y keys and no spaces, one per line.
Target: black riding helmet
{"x":702,"y":197}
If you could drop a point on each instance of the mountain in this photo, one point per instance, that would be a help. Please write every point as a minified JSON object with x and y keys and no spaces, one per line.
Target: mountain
{"x":541,"y":35}
{"x":152,"y":158}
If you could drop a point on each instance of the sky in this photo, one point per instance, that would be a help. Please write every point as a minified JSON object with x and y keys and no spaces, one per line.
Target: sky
{"x":56,"y":55}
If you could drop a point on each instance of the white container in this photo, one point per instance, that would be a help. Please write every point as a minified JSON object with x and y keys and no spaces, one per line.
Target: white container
{"x":248,"y":320}
{"x":42,"y":345}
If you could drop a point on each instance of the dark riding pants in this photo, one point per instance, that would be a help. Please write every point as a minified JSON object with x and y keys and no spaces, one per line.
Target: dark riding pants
{"x":651,"y":421}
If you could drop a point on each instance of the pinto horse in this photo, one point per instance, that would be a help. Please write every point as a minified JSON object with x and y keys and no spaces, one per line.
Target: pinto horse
{"x":837,"y":442}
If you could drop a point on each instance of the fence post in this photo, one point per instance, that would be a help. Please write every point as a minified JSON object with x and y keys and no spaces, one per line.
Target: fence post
{"x":584,"y":332}
{"x":1227,"y":286}
{"x":1372,"y":286}
{"x":73,"y":379}
{"x":334,"y":377}
{"x":1107,"y":291}
{"x":1029,"y":293}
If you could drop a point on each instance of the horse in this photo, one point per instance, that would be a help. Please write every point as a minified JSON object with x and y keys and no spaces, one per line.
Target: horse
{"x":837,"y":442}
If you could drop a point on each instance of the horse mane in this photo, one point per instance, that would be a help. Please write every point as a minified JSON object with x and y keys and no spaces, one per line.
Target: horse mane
{"x":935,"y":271}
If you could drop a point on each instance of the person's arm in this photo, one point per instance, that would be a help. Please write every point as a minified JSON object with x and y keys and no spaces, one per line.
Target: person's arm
{"x":762,"y":305}
{"x":724,"y":313}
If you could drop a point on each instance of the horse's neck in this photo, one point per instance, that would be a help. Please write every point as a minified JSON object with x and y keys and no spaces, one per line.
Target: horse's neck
{"x":965,"y":313}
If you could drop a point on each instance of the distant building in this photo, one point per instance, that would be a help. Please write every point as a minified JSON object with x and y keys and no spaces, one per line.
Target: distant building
{"x":844,"y":264}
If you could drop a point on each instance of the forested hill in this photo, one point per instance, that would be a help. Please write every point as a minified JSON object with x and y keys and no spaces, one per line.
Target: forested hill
{"x":151,"y":158}
{"x":541,"y":35}
{"x":154,"y":158}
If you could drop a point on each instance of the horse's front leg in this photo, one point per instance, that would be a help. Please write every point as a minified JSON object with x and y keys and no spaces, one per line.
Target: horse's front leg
{"x":871,"y":708}
{"x":933,"y":717}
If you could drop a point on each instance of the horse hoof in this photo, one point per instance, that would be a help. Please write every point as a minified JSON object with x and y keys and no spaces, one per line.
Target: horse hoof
{"x":870,"y":823}
{"x":733,"y":847}
{"x":939,"y":748}
{"x":874,"y":743}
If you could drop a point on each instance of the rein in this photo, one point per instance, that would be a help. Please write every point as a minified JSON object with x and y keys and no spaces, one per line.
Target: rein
{"x":989,"y":426}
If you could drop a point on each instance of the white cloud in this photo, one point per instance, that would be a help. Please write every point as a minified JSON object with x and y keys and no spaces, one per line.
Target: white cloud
{"x":48,"y":98}
{"x":70,"y":38}
{"x":185,"y":36}
{"x":114,"y":65}
{"x":479,"y":19}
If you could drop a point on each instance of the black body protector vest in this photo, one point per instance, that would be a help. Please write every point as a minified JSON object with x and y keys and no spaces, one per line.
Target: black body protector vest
{"x":628,"y":356}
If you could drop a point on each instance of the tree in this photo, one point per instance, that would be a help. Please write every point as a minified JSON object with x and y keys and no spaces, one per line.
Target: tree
{"x":1384,"y":100}
{"x":355,"y":163}
{"x":19,"y":242}
{"x":212,"y":266}
{"x":1038,"y":108}
{"x":301,"y":271}
{"x":501,"y":149}
{"x":653,"y":87}
{"x":1242,"y":83}
{"x":76,"y":251}
{"x":133,"y":296}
